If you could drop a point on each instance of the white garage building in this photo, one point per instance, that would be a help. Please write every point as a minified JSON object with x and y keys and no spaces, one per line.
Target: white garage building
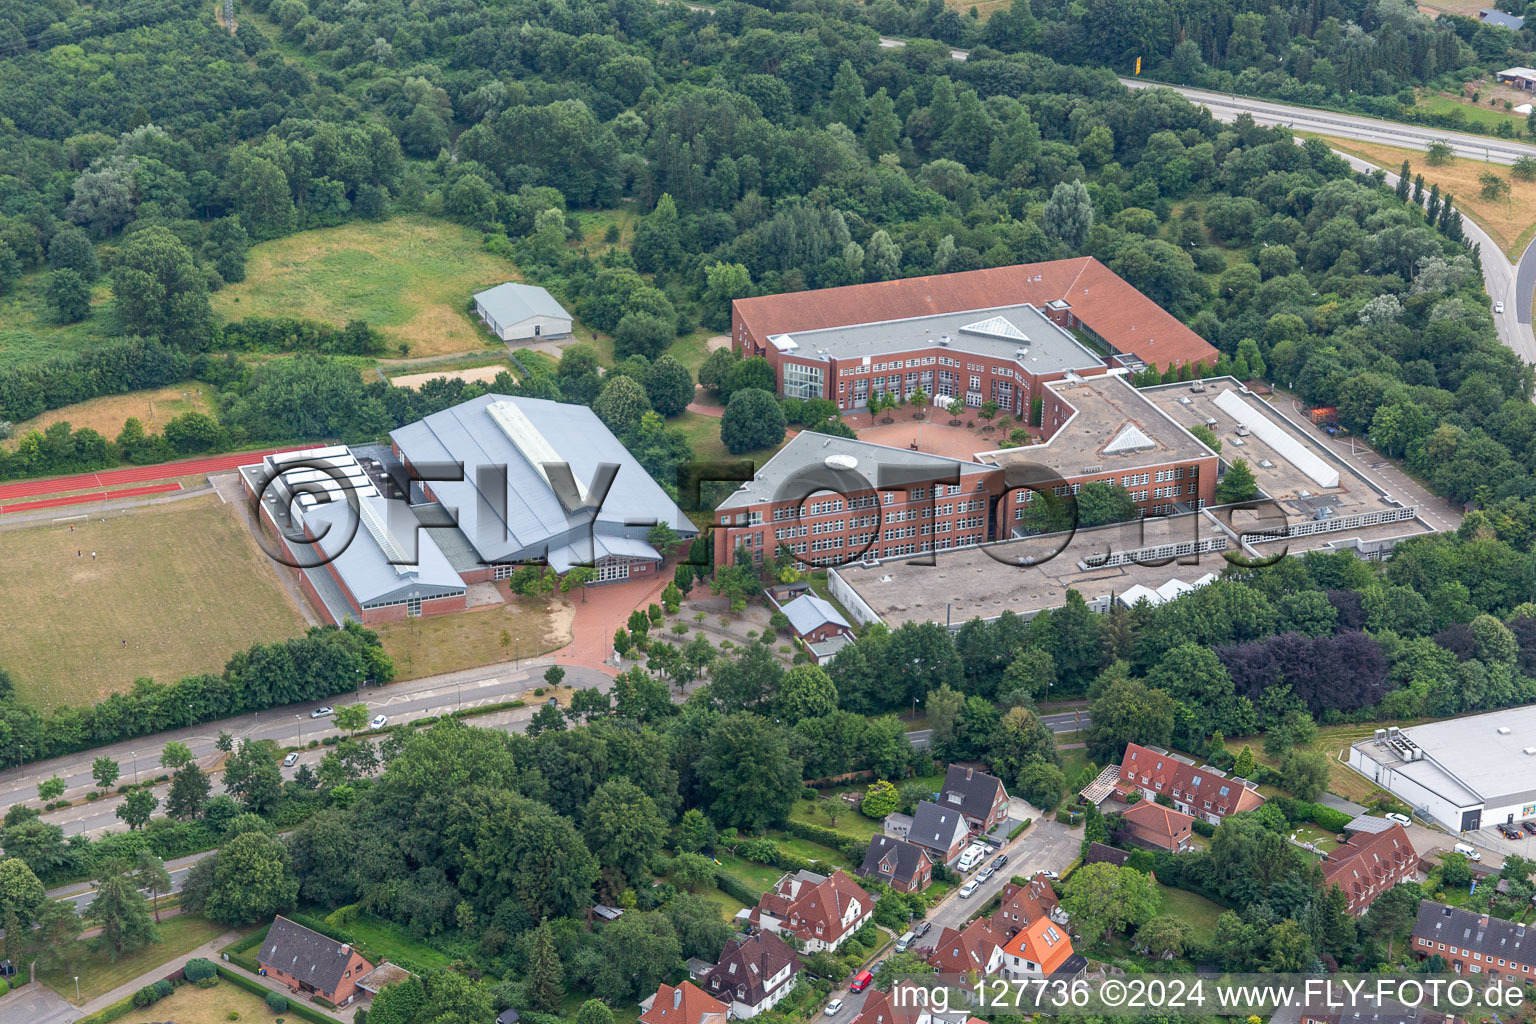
{"x":521,"y":312}
{"x":1464,"y":773}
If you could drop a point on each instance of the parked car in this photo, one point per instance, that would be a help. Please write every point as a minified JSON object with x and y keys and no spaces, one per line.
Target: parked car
{"x":833,"y":1007}
{"x":291,"y":760}
{"x":921,"y":928}
{"x":1401,"y":819}
{"x":985,"y":873}
{"x":1000,"y":860}
{"x":1510,"y":833}
{"x":1048,"y":873}
{"x":325,"y":712}
{"x":379,"y":721}
{"x":969,"y":888}
{"x":862,"y":980}
{"x":906,"y":940}
{"x":1498,"y":307}
{"x":1529,"y":826}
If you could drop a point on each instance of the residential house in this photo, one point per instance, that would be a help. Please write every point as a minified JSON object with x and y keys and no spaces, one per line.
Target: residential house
{"x":906,"y":1003}
{"x":941,"y":831}
{"x":976,"y":949}
{"x":901,"y":865}
{"x":979,"y":796}
{"x":1369,"y":864}
{"x":1023,"y":904}
{"x":1162,"y":828}
{"x":1502,"y":19}
{"x":685,"y":1004}
{"x":1198,"y":790}
{"x":518,"y":312}
{"x":1042,"y":949}
{"x":753,"y":974}
{"x":309,"y":962}
{"x":819,"y":910}
{"x":1474,"y":943}
{"x":1102,"y":853}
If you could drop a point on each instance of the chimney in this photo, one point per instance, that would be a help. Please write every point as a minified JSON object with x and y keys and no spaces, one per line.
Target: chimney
{"x":968,"y":773}
{"x":677,"y":997}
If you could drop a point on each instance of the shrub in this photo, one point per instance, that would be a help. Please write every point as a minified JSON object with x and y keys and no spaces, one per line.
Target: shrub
{"x":1018,"y":829}
{"x":1203,"y":827}
{"x":199,"y":968}
{"x":163,"y":988}
{"x":735,"y":888}
{"x":93,"y":795}
{"x":277,"y":1002}
{"x":145,"y":996}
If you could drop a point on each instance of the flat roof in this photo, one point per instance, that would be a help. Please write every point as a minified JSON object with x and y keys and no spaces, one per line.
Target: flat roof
{"x":1112,"y":427}
{"x":1484,"y":753}
{"x":1281,"y":479}
{"x":854,"y":468}
{"x":1019,"y":333}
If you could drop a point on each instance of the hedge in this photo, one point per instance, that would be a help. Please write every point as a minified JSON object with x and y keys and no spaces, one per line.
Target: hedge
{"x":825,"y":836}
{"x":1203,"y":827}
{"x":107,"y":1014}
{"x":735,"y":888}
{"x":199,"y":968}
{"x":296,"y":1008}
{"x":277,"y":1002}
{"x":1019,"y":829}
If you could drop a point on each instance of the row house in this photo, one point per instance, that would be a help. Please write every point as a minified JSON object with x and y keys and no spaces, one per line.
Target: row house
{"x":1197,"y":790}
{"x":1370,"y":863}
{"x":1474,"y":943}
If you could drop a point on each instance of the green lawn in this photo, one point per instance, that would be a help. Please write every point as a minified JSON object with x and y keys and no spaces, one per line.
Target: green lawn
{"x":394,"y":943}
{"x":809,"y":850}
{"x":29,"y":333}
{"x":758,"y":877}
{"x":1194,"y":910}
{"x":99,"y":973}
{"x":850,"y":822}
{"x":1475,"y":113}
{"x":1321,"y":839}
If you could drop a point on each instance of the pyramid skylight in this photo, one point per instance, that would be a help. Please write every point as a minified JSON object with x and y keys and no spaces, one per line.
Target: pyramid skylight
{"x":996,"y":327}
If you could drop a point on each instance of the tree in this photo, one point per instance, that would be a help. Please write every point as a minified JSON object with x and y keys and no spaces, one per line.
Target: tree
{"x":1295,"y":729}
{"x":159,"y":288}
{"x":69,"y":294}
{"x":642,"y":333}
{"x":189,"y":790}
{"x":1304,"y":774}
{"x":1491,"y":186}
{"x":805,"y":691}
{"x":638,"y":951}
{"x":542,"y":981}
{"x":251,"y":775}
{"x":880,"y":800}
{"x":1438,"y":153}
{"x":137,"y":808}
{"x":1245,"y":764}
{"x":749,"y":776}
{"x":1128,"y":711}
{"x":175,"y":756}
{"x":669,"y":386}
{"x":847,"y":101}
{"x":658,"y":237}
{"x":1238,"y":484}
{"x":620,"y":404}
{"x":1524,"y":168}
{"x":1019,"y":739}
{"x":1163,"y":937}
{"x":56,"y":939}
{"x":351,"y":717}
{"x":595,"y":1011}
{"x":50,"y":789}
{"x":753,"y":419}
{"x":1068,"y":214}
{"x":105,"y":771}
{"x":1103,"y":898}
{"x":121,"y":912}
{"x":21,"y":893}
{"x":252,"y":880}
{"x":1404,"y":182}
{"x":149,"y":873}
{"x":623,"y":828}
{"x":71,"y":249}
{"x":699,"y":927}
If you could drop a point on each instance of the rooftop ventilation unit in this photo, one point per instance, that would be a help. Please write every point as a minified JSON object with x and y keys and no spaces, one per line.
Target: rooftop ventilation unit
{"x":1530,"y":750}
{"x":944,"y":341}
{"x":1242,"y":430}
{"x":1503,"y":730}
{"x":1198,"y":385}
{"x":1266,"y":464}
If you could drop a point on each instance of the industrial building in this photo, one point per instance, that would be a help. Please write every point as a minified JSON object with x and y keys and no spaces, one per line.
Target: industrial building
{"x":460,"y":497}
{"x":522,"y":312}
{"x":997,"y":334}
{"x":1463,"y":773}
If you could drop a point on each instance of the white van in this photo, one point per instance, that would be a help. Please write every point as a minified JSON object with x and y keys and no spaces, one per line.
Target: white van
{"x":972,"y":856}
{"x":1468,"y":852}
{"x":903,"y":943}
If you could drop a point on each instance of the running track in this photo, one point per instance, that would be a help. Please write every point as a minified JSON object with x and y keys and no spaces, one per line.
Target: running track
{"x":81,"y":499}
{"x":133,"y":475}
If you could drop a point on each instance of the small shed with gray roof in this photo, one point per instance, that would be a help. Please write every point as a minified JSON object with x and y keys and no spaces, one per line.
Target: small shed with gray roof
{"x":520,"y":312}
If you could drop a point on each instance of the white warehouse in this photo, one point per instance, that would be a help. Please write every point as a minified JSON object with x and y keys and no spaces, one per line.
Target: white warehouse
{"x":1464,"y":773}
{"x":521,"y":312}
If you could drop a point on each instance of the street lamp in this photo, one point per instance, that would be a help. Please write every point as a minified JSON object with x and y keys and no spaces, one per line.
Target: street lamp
{"x":458,"y":690}
{"x":300,"y":719}
{"x":914,"y":708}
{"x":135,"y":755}
{"x":77,"y":988}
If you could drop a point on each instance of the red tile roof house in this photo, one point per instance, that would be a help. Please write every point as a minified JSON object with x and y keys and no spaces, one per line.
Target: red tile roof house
{"x":1370,"y":864}
{"x":1022,"y":905}
{"x":901,"y":865}
{"x":819,"y":910}
{"x":685,"y":1004}
{"x":1201,"y":790}
{"x":975,"y":950}
{"x":753,"y":974}
{"x":1162,"y":828}
{"x":979,"y":796}
{"x":905,"y":1004}
{"x":309,"y":962}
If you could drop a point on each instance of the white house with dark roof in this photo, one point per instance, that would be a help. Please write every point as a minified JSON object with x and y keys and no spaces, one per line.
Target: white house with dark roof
{"x":522,"y":312}
{"x":754,"y":973}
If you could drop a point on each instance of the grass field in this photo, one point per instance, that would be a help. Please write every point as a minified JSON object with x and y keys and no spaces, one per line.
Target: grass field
{"x":1510,"y":223}
{"x":1475,"y":113}
{"x":394,"y":943}
{"x":1331,"y":739}
{"x":750,"y":873}
{"x":107,"y":415}
{"x":99,"y":974}
{"x":1322,"y":840}
{"x":447,"y":643}
{"x":221,"y":1004}
{"x":704,"y":436}
{"x":184,"y":583}
{"x":411,"y":277}
{"x":1194,"y":910}
{"x":850,"y":822}
{"x":29,"y":333}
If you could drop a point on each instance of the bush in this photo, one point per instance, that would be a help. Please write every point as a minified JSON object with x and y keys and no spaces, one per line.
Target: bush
{"x":93,"y":795}
{"x":199,"y":968}
{"x":163,"y":988}
{"x":145,"y":996}
{"x":277,"y":1002}
{"x":735,"y":888}
{"x":1203,"y":827}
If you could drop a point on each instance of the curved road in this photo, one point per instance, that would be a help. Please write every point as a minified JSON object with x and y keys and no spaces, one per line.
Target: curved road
{"x":1512,"y":284}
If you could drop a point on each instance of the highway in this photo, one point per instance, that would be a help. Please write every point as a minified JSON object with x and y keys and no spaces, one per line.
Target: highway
{"x":1514,"y":285}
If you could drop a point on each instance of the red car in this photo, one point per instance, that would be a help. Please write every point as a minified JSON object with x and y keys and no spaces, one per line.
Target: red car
{"x":861,"y":981}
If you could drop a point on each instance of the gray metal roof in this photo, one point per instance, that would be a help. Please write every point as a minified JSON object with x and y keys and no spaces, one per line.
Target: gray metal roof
{"x":808,"y":611}
{"x":1491,"y":17}
{"x":804,"y":459}
{"x":514,"y":302}
{"x":529,"y":521}
{"x":937,"y":828}
{"x":1484,"y":754}
{"x":364,"y":565}
{"x":999,"y":332}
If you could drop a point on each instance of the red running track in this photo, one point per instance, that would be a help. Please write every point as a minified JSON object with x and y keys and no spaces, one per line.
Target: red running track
{"x":137,"y":474}
{"x":81,"y":499}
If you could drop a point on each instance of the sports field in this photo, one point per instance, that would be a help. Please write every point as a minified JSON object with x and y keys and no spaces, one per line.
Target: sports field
{"x":183,"y":583}
{"x":410,"y":277}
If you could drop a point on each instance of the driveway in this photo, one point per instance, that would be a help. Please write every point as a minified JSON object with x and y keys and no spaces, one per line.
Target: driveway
{"x":1048,"y":845}
{"x":36,"y":1004}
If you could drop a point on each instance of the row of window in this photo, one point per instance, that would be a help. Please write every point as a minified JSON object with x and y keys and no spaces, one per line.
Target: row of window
{"x":1440,"y":947}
